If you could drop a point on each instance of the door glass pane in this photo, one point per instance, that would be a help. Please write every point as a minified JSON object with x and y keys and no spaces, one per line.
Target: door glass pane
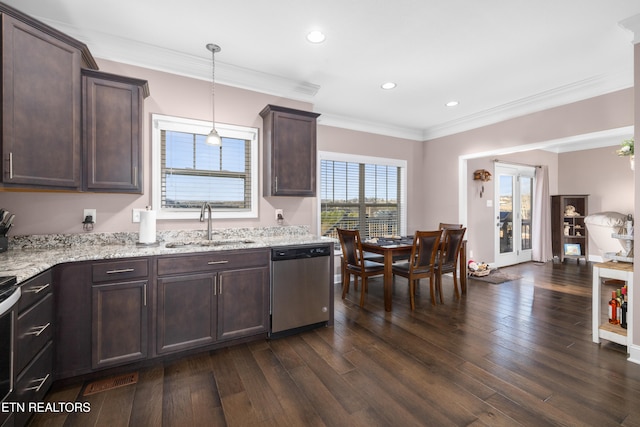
{"x":506,"y":214}
{"x":526,"y":195}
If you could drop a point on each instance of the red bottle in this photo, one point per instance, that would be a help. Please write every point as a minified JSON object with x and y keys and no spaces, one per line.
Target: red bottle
{"x":613,"y":309}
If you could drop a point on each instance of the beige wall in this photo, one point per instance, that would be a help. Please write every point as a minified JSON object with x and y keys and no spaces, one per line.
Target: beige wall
{"x":432,"y":166}
{"x":45,"y":212}
{"x":441,"y":156}
{"x":600,"y":173}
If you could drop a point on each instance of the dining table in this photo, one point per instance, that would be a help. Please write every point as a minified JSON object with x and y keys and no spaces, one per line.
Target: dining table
{"x":400,"y":248}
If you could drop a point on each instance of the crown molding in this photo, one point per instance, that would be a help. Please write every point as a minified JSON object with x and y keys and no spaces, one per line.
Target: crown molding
{"x":577,"y":91}
{"x":119,"y":49}
{"x":344,"y":122}
{"x":127,"y":51}
{"x":632,"y":24}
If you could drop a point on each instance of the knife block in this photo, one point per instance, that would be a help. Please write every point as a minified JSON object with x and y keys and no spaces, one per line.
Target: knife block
{"x":4,"y":243}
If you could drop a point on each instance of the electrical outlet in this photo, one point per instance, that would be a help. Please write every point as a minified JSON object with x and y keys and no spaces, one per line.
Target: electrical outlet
{"x":279,"y":214}
{"x":135,"y":215}
{"x":88,"y":212}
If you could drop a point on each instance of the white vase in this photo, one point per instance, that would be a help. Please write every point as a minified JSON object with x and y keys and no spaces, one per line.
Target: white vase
{"x":632,"y":162}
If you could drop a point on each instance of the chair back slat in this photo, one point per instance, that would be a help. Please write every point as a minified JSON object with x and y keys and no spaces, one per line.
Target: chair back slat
{"x":351,"y":246}
{"x":452,"y":242}
{"x":425,"y":248}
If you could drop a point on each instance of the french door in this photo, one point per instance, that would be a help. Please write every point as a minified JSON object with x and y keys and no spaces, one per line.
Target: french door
{"x":514,"y":206}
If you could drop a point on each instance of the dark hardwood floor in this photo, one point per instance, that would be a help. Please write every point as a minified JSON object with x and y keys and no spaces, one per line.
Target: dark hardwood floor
{"x":517,"y":353}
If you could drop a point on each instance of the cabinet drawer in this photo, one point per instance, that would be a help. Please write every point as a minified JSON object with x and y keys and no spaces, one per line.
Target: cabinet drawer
{"x":211,"y":261}
{"x":35,"y":328}
{"x":34,"y":381}
{"x":119,"y":270}
{"x":34,"y":289}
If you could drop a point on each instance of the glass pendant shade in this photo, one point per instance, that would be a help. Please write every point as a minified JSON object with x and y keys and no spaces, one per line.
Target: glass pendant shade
{"x":213,"y":138}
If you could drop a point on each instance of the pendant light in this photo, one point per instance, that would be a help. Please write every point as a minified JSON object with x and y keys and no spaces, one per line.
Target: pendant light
{"x":213,"y":138}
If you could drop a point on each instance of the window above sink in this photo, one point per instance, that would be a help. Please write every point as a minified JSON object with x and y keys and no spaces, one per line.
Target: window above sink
{"x":187,"y":172}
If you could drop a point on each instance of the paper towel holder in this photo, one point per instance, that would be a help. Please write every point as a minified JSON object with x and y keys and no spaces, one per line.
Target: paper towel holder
{"x":146,"y":244}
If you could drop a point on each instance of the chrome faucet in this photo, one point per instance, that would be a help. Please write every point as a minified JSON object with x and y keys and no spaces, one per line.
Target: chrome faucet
{"x":206,"y":205}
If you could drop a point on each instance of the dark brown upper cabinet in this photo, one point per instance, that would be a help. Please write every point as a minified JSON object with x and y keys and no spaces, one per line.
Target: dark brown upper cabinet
{"x":41,"y":104}
{"x":40,"y":108}
{"x":289,"y":151}
{"x":112,"y":132}
{"x":65,"y":125}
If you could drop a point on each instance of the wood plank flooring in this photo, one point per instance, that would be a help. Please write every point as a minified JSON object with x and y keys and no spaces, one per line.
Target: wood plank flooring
{"x":517,"y":353}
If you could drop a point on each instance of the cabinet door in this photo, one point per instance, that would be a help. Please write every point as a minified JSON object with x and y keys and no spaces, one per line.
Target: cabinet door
{"x":33,"y":382}
{"x":112,"y":134}
{"x":290,"y":151}
{"x":186,"y":312}
{"x":35,"y":329}
{"x":243,"y":302}
{"x":72,"y":298}
{"x":40,"y":108}
{"x":119,"y":323}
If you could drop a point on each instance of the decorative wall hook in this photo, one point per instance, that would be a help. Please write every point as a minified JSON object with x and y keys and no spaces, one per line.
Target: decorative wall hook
{"x":482,"y":175}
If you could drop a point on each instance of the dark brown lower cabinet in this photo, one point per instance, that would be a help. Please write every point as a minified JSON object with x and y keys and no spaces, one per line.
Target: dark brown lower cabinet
{"x":116,"y":312}
{"x":202,"y":308}
{"x":34,"y":353}
{"x":186,"y":312}
{"x":119,"y":323}
{"x":243,"y":302}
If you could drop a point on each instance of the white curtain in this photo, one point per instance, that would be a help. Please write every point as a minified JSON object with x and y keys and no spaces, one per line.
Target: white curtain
{"x":541,"y":221}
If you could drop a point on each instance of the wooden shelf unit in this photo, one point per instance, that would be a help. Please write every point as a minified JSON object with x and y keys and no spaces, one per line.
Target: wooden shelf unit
{"x":569,"y":229}
{"x":601,"y":329}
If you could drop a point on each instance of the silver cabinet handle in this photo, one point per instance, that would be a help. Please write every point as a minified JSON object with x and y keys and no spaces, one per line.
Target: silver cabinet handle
{"x":10,"y":165}
{"x":122,"y":270}
{"x":38,"y":289}
{"x":217,"y":262}
{"x":37,"y":330}
{"x":215,"y":285}
{"x":144,"y":295}
{"x":220,"y":293}
{"x":39,"y":386}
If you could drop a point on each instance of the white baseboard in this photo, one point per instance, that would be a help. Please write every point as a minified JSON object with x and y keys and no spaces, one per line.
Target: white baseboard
{"x":634,"y":354}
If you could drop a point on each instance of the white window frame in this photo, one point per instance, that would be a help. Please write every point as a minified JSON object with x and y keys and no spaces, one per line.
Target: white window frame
{"x":161,"y":122}
{"x":356,"y":158}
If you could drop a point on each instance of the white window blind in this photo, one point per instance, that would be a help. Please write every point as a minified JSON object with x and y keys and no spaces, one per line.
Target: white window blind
{"x":191,"y":172}
{"x":364,"y":196}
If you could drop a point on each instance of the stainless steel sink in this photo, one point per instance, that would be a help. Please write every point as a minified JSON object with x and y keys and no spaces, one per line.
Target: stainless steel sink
{"x":209,"y":243}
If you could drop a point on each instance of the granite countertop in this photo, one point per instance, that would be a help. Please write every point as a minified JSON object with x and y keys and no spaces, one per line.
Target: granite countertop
{"x":30,"y":255}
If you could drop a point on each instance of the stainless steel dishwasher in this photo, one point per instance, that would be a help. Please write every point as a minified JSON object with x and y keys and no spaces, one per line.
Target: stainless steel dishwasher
{"x":301,"y":283}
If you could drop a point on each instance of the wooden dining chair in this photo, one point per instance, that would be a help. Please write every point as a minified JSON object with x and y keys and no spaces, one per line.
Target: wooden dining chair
{"x":355,"y":264}
{"x":444,"y":226}
{"x":421,"y":264}
{"x":448,"y":258}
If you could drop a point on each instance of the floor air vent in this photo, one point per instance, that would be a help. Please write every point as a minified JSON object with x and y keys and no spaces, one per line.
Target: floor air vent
{"x":110,"y":383}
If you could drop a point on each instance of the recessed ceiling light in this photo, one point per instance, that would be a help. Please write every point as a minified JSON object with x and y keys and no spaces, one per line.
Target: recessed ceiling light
{"x":316,"y":36}
{"x":388,"y":85}
{"x":452,"y":104}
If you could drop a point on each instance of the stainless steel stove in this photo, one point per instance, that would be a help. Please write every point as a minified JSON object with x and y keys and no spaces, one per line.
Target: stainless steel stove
{"x":7,"y":287}
{"x":9,"y":296}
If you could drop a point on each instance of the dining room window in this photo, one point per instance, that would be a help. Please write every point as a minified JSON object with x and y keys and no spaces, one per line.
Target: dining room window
{"x":188,"y":172}
{"x":363,"y":193}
